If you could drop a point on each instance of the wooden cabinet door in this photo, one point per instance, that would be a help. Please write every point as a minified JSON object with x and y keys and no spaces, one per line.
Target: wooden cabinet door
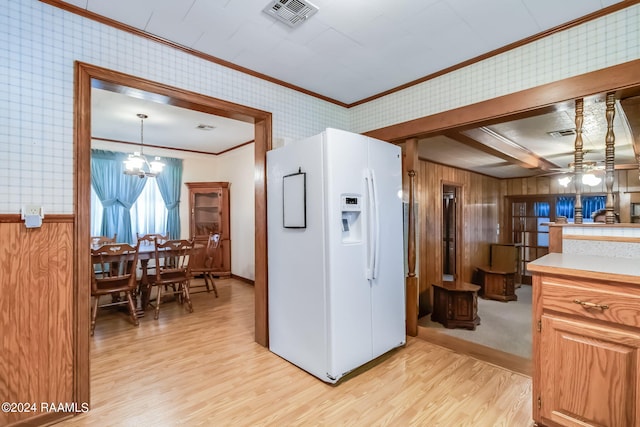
{"x":589,"y":373}
{"x":206,"y":213}
{"x":209,"y":204}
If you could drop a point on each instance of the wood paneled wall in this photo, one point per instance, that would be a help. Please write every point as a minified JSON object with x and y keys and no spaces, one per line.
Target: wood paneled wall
{"x":626,"y":187}
{"x":481,"y":210}
{"x":36,"y":316}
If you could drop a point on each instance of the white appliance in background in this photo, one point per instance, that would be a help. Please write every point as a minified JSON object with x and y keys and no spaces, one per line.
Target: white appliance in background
{"x":335,"y":242}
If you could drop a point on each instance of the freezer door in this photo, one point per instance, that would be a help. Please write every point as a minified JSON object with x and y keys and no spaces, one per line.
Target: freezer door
{"x":388,"y":289}
{"x":348,"y":291}
{"x":297,"y":306}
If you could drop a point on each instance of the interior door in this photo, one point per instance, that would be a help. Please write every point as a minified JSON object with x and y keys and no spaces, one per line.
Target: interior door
{"x":450,"y":230}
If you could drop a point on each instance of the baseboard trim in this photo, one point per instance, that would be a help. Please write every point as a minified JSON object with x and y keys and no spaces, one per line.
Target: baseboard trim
{"x":243,"y":279}
{"x":499,"y":358}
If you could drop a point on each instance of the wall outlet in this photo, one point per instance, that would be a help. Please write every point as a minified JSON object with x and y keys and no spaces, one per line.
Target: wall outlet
{"x":32,"y":210}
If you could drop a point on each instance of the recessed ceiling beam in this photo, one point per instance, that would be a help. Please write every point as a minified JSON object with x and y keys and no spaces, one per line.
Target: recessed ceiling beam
{"x":490,"y":142}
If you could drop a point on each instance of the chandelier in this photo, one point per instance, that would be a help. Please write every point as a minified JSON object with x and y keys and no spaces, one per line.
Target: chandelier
{"x":137,"y":164}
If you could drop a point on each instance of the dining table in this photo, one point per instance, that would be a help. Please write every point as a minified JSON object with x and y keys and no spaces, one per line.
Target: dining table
{"x":146,"y":252}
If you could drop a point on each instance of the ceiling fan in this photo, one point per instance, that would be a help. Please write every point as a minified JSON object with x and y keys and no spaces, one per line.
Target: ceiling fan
{"x":588,"y":166}
{"x":591,"y":173}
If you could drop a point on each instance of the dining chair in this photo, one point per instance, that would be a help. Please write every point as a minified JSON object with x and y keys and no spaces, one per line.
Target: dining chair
{"x":151,"y":238}
{"x":148,"y":240}
{"x":113,"y":272}
{"x":204,"y":263}
{"x":101,"y":240}
{"x":97,"y":241}
{"x":172,"y":272}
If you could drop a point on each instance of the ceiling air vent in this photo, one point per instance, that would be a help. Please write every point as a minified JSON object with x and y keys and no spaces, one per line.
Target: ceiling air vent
{"x":291,"y":12}
{"x":563,"y":132}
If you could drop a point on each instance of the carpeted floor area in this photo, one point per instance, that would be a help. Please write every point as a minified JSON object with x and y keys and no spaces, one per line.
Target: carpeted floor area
{"x":504,"y":326}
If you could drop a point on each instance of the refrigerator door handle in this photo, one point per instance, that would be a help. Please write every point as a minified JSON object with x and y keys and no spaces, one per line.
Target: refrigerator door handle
{"x":376,"y":227}
{"x":370,"y":225}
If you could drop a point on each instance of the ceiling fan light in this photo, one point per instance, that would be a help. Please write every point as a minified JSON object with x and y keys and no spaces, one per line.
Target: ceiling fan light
{"x":564,"y":181}
{"x":590,"y":179}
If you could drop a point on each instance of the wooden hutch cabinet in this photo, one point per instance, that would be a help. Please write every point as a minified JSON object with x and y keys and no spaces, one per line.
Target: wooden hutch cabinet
{"x":586,"y":342}
{"x":209,"y":213}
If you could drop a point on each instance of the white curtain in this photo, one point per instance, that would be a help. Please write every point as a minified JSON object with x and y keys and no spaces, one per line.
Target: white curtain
{"x":148,"y":213}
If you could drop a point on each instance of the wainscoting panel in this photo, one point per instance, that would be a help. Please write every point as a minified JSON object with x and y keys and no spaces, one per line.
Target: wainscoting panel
{"x":36,"y":317}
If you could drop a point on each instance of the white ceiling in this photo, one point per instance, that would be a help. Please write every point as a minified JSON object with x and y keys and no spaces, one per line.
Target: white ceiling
{"x":348,"y":51}
{"x":114,"y":117}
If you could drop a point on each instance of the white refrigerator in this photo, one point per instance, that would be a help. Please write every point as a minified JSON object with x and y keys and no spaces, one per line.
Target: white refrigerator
{"x":335,"y":247}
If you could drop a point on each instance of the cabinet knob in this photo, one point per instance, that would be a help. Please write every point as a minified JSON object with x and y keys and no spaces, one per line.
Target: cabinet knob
{"x":587,"y":305}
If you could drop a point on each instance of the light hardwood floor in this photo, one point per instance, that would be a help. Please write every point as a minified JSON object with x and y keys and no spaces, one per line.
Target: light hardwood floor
{"x":205,"y":369}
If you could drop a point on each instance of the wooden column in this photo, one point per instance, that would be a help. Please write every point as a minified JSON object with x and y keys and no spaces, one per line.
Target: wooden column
{"x":412,"y":279}
{"x":578,"y":159}
{"x":609,"y":159}
{"x":411,"y":282}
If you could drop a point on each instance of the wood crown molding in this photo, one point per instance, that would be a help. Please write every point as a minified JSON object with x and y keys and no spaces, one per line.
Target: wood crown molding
{"x":127,"y":28}
{"x":183,"y":150}
{"x":132,"y":30}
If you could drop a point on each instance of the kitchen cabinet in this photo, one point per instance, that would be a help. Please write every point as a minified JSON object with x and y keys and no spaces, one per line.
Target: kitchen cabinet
{"x":209,"y":213}
{"x":586,"y":342}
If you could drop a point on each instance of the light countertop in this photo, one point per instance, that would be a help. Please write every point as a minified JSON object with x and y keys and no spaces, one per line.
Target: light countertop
{"x":589,"y":266}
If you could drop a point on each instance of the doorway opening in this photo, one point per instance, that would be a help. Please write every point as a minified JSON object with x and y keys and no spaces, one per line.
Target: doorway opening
{"x":450,"y":232}
{"x":85,"y":75}
{"x":488,"y":340}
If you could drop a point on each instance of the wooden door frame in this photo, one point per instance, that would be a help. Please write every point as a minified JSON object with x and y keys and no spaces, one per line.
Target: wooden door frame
{"x":623,"y":78}
{"x":84,"y":74}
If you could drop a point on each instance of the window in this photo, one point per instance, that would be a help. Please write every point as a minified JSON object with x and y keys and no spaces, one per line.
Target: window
{"x":148,"y":213}
{"x":590,"y":204}
{"x":529,"y":216}
{"x":96,"y":214}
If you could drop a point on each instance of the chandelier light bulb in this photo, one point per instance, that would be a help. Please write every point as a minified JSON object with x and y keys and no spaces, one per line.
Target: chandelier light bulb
{"x":156,"y":165}
{"x":136,"y":162}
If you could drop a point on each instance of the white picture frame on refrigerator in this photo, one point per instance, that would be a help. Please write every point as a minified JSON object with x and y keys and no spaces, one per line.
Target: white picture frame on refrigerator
{"x":294,"y":200}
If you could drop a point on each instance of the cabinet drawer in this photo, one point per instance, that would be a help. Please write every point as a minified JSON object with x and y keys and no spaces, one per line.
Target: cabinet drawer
{"x":602,"y":304}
